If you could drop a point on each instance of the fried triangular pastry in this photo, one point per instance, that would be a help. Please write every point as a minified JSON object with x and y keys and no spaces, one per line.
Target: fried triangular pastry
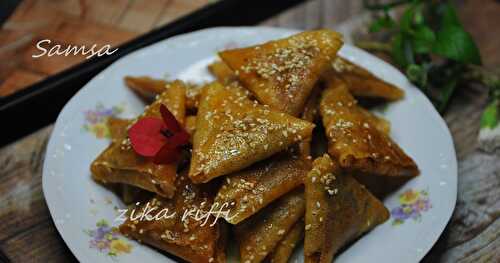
{"x":250,"y":190}
{"x":338,"y":210}
{"x":361,"y":82}
{"x":285,"y":247}
{"x":222,"y":72}
{"x":131,"y":194}
{"x":174,"y":98}
{"x":146,"y":87}
{"x":359,"y":146}
{"x":226,"y":76}
{"x":233,"y":132}
{"x":190,"y":125}
{"x":118,"y":128}
{"x":260,"y":234}
{"x":310,"y":114}
{"x":119,"y":163}
{"x":128,"y":193}
{"x":283,"y":72}
{"x":381,"y":124}
{"x":182,"y":235}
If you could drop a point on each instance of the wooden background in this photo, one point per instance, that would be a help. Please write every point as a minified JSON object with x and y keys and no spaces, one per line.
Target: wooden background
{"x":27,"y":233}
{"x":74,"y":22}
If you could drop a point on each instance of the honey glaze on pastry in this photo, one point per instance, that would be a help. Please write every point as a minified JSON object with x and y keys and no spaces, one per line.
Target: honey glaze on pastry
{"x":250,"y":190}
{"x":282,"y":73}
{"x":285,"y":247}
{"x":260,"y":234}
{"x":190,"y":239}
{"x":311,"y":112}
{"x":248,"y":141}
{"x":146,"y":87}
{"x":338,"y":210}
{"x":361,"y":82}
{"x":359,"y":146}
{"x":222,"y":72}
{"x":119,"y":163}
{"x":233,"y":132}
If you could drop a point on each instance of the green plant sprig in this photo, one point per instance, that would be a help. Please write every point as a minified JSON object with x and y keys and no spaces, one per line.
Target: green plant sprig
{"x":430,"y":45}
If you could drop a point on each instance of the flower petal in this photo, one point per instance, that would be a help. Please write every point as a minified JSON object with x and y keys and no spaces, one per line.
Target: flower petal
{"x":179,"y":139}
{"x":145,"y":136}
{"x":167,"y":154}
{"x":169,"y":119}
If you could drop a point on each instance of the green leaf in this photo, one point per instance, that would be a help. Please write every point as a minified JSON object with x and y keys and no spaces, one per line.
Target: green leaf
{"x":385,"y":22}
{"x":423,"y":39}
{"x":446,"y":92}
{"x":401,"y":50}
{"x":490,"y":116}
{"x":448,"y":15}
{"x":398,"y":51}
{"x":419,"y":16}
{"x":417,"y":74}
{"x":406,"y":20}
{"x":454,"y":43}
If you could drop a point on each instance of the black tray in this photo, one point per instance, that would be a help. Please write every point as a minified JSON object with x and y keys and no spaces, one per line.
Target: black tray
{"x":38,"y":105}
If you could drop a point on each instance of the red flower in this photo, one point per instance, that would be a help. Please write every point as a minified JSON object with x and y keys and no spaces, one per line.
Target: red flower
{"x":162,"y":139}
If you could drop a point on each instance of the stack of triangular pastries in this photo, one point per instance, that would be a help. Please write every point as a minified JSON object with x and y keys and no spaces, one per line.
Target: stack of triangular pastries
{"x":278,"y":140}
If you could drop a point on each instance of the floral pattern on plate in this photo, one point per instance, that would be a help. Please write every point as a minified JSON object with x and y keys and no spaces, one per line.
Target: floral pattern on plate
{"x":412,"y":204}
{"x":95,"y":119}
{"x":107,"y":239}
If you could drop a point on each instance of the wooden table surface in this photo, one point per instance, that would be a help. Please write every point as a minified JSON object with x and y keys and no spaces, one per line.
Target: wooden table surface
{"x":27,"y":233}
{"x":99,"y":22}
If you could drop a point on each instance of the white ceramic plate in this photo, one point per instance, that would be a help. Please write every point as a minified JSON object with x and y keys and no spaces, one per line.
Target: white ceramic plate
{"x":82,"y":210}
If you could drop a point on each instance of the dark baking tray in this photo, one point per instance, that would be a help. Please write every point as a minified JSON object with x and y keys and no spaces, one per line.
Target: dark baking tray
{"x":38,"y":105}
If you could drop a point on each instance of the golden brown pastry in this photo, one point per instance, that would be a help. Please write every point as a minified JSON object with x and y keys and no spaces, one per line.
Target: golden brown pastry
{"x":190,"y":124}
{"x":260,"y":234}
{"x":361,"y":82}
{"x":250,"y":190}
{"x":285,"y":247}
{"x":233,"y":132}
{"x":131,"y":194}
{"x":222,"y":72}
{"x":193,"y":92}
{"x":379,"y":123}
{"x":283,"y":72}
{"x":119,"y":163}
{"x":338,"y":210}
{"x":311,"y":111}
{"x":146,"y":87}
{"x":118,"y":128}
{"x":185,"y":237}
{"x":174,"y":98}
{"x":358,"y":146}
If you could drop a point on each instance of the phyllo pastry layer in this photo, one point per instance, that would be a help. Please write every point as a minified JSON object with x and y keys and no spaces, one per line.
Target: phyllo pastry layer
{"x":260,"y":234}
{"x":250,"y":190}
{"x":359,"y":146}
{"x":338,"y":210}
{"x":119,"y":163}
{"x":310,"y":114}
{"x":233,"y":132}
{"x":183,"y":236}
{"x":283,"y":72}
{"x":361,"y":82}
{"x":283,"y":251}
{"x":222,"y":72}
{"x":146,"y":87}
